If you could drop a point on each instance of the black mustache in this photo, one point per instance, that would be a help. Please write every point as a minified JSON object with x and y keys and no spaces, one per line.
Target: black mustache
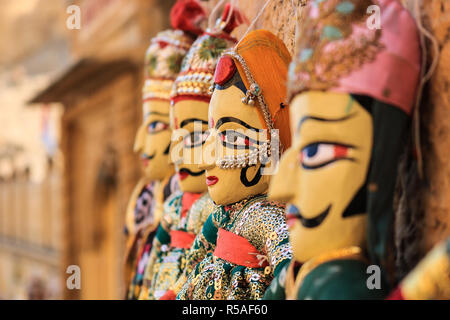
{"x":194,"y":174}
{"x":312,"y":222}
{"x":166,"y":152}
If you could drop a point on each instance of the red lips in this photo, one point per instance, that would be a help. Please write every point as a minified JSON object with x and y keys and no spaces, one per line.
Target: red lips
{"x":291,"y":219}
{"x":211,"y":180}
{"x":183,"y":175}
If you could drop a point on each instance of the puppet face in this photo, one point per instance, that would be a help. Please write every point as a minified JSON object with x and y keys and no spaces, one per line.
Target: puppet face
{"x":323,"y":175}
{"x":153,"y":140}
{"x":235,"y":129}
{"x":142,"y":210}
{"x":190,"y":122}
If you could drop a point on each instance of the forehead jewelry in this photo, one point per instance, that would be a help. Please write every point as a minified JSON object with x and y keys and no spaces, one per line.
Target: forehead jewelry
{"x":245,"y":160}
{"x":254,"y":92}
{"x":263,"y":151}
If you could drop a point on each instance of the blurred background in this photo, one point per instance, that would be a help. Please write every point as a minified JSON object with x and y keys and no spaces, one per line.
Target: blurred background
{"x":70,"y":105}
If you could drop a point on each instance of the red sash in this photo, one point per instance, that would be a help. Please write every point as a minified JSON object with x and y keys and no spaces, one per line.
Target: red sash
{"x":238,"y":250}
{"x":181,"y":239}
{"x":187,"y":201}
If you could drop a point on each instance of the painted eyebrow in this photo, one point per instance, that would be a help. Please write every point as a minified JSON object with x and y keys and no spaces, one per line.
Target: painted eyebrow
{"x":305,"y":118}
{"x":156,"y":114}
{"x":187,"y":121}
{"x":224,"y":120}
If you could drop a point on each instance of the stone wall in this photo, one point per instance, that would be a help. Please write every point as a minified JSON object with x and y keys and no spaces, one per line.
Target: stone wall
{"x":278,"y":17}
{"x":423,"y":217}
{"x":437,"y":127}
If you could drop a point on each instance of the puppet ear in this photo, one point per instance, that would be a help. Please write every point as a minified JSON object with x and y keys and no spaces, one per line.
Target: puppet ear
{"x":225,"y":70}
{"x":187,"y":15}
{"x":235,"y":20}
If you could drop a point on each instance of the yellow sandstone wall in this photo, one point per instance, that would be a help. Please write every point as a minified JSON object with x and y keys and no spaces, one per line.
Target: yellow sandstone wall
{"x":437,"y":128}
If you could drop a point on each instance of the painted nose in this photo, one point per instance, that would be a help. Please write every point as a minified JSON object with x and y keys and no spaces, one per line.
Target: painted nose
{"x":209,"y":152}
{"x":140,"y":138}
{"x":284,"y":183}
{"x":174,"y":149}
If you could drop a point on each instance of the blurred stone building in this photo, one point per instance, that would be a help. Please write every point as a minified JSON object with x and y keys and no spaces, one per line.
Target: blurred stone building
{"x":34,"y":48}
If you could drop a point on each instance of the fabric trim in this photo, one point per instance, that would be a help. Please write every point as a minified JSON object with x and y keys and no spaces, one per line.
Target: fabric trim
{"x":236,"y":249}
{"x":181,"y":239}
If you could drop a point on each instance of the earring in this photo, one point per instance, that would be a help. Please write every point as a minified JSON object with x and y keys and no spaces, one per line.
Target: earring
{"x":252,"y":94}
{"x":245,"y":160}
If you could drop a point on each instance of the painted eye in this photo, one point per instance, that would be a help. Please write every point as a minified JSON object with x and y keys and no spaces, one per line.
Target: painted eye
{"x":236,"y":140}
{"x":195,"y":139}
{"x":319,"y":155}
{"x":157,"y":126}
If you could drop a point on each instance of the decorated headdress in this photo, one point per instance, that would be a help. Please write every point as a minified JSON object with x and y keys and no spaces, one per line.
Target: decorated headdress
{"x":187,"y":15}
{"x":167,"y":50}
{"x":163,"y":63}
{"x":197,"y":71}
{"x":338,"y":49}
{"x":262,"y":60}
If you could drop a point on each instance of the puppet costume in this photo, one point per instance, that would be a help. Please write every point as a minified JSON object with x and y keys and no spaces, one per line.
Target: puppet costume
{"x":245,"y":242}
{"x":430,"y":280}
{"x":139,"y":219}
{"x":235,"y":266}
{"x":150,"y":203}
{"x":162,"y":65}
{"x":186,"y":211}
{"x":352,"y":89}
{"x":184,"y":215}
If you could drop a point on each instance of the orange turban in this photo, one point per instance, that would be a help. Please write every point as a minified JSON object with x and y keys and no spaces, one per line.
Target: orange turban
{"x":267,"y":59}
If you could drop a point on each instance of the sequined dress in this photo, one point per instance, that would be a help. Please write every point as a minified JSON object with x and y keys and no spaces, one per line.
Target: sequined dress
{"x":143,"y":207}
{"x":255,"y":237}
{"x":148,"y":202}
{"x":172,"y":242}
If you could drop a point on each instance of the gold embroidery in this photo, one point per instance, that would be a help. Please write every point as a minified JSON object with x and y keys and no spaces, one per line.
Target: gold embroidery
{"x":338,"y":254}
{"x":254,"y":219}
{"x":332,"y":44}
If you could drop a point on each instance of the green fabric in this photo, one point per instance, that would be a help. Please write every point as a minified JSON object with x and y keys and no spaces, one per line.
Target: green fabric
{"x":210,"y":230}
{"x":283,"y":264}
{"x":340,"y":280}
{"x":162,"y":235}
{"x":216,"y":278}
{"x":277,"y":289}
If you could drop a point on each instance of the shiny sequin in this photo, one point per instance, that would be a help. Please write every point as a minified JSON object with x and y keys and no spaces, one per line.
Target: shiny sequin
{"x":254,"y":219}
{"x":166,"y":266}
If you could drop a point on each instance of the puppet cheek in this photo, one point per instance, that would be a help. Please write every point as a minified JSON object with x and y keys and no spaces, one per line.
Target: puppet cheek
{"x":334,"y":185}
